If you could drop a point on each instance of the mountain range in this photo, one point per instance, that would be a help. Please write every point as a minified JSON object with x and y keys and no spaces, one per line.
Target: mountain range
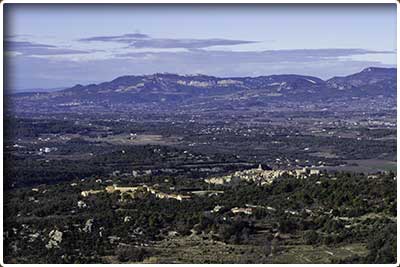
{"x":166,"y":88}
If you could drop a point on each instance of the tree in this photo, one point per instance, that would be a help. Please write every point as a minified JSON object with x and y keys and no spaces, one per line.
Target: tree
{"x":382,"y":245}
{"x":311,"y":237}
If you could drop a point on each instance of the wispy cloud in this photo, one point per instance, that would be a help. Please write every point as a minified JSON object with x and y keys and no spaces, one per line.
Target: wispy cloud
{"x":125,"y":38}
{"x":35,"y":49}
{"x":268,"y":56}
{"x":10,"y":37}
{"x":139,"y":40}
{"x":186,"y":43}
{"x":25,"y":44}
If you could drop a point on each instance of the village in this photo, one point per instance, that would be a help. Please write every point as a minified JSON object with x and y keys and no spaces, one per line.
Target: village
{"x":261,"y":176}
{"x":257,"y":175}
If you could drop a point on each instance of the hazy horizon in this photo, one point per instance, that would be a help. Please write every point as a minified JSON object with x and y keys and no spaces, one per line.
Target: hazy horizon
{"x":53,"y":46}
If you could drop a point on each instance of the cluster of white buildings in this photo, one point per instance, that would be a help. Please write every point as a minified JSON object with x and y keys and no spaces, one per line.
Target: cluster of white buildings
{"x":260,"y":176}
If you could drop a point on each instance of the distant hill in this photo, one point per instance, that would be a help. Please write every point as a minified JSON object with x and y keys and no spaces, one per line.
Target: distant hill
{"x":369,"y":81}
{"x":173,"y":89}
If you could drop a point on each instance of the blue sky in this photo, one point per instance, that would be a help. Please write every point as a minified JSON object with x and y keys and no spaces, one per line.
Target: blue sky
{"x":51,"y":46}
